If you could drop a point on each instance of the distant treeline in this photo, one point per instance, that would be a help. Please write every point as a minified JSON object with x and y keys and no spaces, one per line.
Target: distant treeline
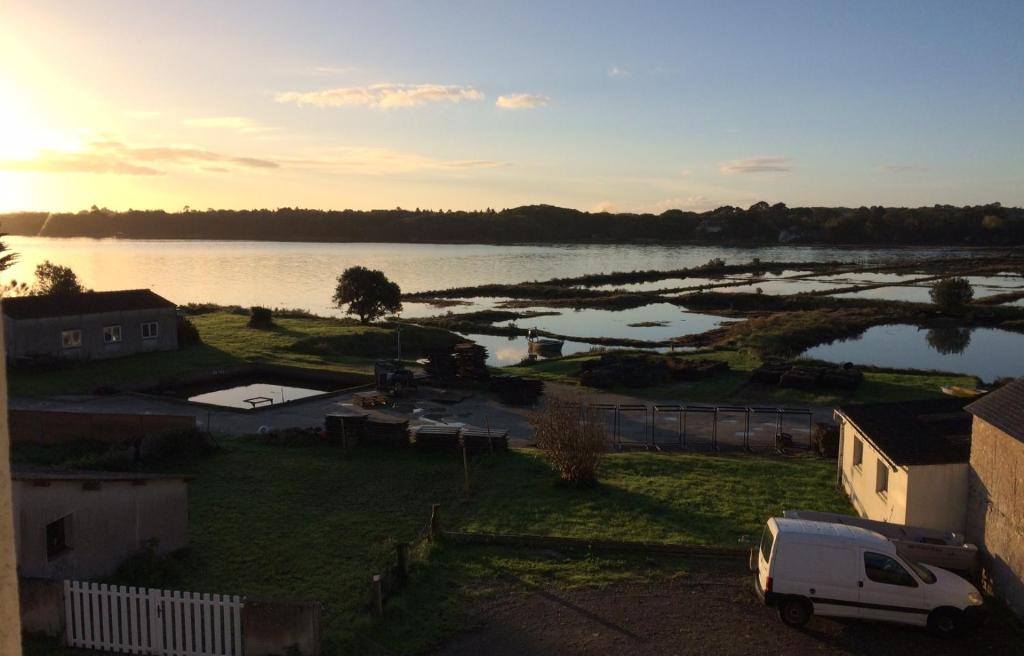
{"x":982,"y":225}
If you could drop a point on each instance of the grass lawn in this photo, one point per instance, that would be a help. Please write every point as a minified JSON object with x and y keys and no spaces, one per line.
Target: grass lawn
{"x":321,"y":343}
{"x":317,"y":523}
{"x":734,"y":385}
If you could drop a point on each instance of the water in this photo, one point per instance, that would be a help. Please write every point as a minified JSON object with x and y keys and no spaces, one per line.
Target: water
{"x":236,"y":397}
{"x":988,"y":353}
{"x":303,"y":275}
{"x":615,"y":323}
{"x":504,"y":351}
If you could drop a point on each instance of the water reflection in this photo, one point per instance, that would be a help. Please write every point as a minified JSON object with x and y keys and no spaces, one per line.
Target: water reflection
{"x":949,"y":339}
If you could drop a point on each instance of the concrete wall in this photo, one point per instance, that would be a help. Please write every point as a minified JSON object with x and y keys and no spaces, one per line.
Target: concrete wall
{"x":10,"y":625}
{"x":272,"y":628}
{"x":106,"y":525}
{"x":859,"y":481}
{"x":42,"y":337}
{"x":995,"y":518}
{"x":42,"y":606}
{"x":937,"y":496}
{"x":46,"y":427}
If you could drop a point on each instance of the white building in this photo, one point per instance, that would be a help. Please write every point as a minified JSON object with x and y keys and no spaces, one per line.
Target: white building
{"x":907,"y":463}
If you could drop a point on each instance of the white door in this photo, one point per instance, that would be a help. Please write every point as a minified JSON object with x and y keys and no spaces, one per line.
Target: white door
{"x":889,"y":592}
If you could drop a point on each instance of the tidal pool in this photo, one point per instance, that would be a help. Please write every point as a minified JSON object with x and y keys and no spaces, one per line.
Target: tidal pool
{"x":256,"y":395}
{"x":988,"y":353}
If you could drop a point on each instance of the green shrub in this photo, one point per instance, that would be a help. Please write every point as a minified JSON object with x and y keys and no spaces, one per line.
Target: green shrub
{"x":188,"y":334}
{"x":952,"y":293}
{"x":175,"y":446}
{"x":149,"y":569}
{"x":261,"y":317}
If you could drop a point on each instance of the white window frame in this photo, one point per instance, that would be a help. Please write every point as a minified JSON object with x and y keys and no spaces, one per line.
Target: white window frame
{"x":155,"y":332}
{"x":113,"y":334}
{"x":858,"y":453}
{"x":75,"y":342}
{"x":882,"y":478}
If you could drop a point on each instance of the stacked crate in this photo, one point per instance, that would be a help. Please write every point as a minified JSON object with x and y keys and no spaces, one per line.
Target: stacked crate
{"x":436,"y":437}
{"x":345,"y":429}
{"x":386,"y":431}
{"x":516,"y":390}
{"x":482,"y":440}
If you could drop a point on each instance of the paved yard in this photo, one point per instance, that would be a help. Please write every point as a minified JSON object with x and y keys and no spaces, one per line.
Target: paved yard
{"x":704,"y":613}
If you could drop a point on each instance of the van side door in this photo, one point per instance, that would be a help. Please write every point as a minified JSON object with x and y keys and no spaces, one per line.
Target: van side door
{"x":824,"y":574}
{"x":888,"y":591}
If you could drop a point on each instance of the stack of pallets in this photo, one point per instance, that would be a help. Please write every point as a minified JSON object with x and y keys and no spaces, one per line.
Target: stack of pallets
{"x":441,"y":364}
{"x":386,"y":431}
{"x":471,"y":361}
{"x":345,"y":429}
{"x":436,"y":437}
{"x":481,"y":440}
{"x":516,"y":390}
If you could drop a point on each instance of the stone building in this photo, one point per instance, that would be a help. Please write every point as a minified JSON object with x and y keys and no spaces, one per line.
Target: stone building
{"x":995,"y":517}
{"x":88,"y":326}
{"x":83,"y":525}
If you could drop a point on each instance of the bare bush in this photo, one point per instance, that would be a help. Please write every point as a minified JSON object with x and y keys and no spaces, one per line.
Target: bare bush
{"x":573,"y":436}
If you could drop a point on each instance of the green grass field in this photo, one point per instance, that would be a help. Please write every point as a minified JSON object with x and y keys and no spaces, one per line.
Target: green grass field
{"x":318,"y":522}
{"x":734,"y":385}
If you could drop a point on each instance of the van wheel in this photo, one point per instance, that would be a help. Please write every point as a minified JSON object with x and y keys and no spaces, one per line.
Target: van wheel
{"x":945,"y":622}
{"x":795,"y":611}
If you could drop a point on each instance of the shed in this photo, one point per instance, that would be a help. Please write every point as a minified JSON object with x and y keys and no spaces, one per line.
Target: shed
{"x":84,"y":524}
{"x":907,"y":463}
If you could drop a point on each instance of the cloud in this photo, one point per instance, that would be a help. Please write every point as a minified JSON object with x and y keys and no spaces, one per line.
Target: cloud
{"x":756,"y":165}
{"x":522,"y":101}
{"x":239,"y":123}
{"x":382,"y":96}
{"x":605,"y":206}
{"x":902,"y":168}
{"x":616,"y":71}
{"x":114,"y":157}
{"x":334,"y":70}
{"x":384,"y":161}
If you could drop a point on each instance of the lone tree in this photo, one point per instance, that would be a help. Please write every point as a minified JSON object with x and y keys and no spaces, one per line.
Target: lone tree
{"x":952,"y":293}
{"x":54,"y":279}
{"x":368,"y":294}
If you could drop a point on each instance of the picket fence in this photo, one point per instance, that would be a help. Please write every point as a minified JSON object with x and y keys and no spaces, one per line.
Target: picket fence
{"x":152,"y":621}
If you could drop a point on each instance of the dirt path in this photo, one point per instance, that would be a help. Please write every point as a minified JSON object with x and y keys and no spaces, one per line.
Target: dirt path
{"x":701,"y":614}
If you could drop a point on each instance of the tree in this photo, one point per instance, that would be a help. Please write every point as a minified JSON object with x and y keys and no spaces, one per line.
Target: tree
{"x":368,"y":294}
{"x":952,"y":293}
{"x":54,"y":279}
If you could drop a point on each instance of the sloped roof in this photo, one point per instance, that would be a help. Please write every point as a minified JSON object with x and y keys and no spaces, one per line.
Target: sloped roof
{"x":1003,"y":408}
{"x":66,"y":305}
{"x":916,"y":432}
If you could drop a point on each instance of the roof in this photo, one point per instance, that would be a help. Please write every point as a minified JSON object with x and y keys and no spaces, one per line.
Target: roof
{"x":64,"y":305}
{"x":1003,"y":408}
{"x":915,"y":432}
{"x":829,"y":531}
{"x":29,"y":473}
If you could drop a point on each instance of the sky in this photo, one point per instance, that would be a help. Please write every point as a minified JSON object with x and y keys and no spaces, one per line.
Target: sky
{"x":634,"y":106}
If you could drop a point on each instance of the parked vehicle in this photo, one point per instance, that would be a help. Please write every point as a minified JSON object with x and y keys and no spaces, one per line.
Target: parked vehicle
{"x":806,"y":568}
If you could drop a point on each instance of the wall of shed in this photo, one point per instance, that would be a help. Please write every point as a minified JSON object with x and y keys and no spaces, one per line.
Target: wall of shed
{"x":995,"y":516}
{"x":107,"y":524}
{"x":48,"y":427}
{"x":27,"y":338}
{"x":859,"y":482}
{"x":937,"y":496}
{"x":10,"y":624}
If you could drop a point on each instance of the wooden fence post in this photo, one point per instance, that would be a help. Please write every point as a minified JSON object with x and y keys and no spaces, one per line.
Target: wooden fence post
{"x":378,"y":596}
{"x":403,"y":561}
{"x":465,"y":469}
{"x":435,"y":522}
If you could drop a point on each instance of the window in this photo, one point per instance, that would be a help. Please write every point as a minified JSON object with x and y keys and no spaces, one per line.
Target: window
{"x":881,"y":478}
{"x":858,"y":452}
{"x":150,"y":330}
{"x":767,"y":540}
{"x":111,"y":334}
{"x":57,"y":537}
{"x":884,"y":569}
{"x":70,"y":339}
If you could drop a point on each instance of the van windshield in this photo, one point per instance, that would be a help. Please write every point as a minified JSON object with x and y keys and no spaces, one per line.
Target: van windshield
{"x":922,"y":572}
{"x":767,"y":540}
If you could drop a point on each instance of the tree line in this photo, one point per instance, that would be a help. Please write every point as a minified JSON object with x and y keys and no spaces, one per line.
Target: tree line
{"x":761,"y":223}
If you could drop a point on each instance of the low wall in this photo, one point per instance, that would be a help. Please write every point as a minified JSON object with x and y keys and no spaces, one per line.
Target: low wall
{"x":48,"y":427}
{"x":42,"y":606}
{"x":273,"y":627}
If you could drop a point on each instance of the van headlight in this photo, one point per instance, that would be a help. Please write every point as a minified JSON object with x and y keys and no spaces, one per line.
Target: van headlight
{"x":974,"y":598}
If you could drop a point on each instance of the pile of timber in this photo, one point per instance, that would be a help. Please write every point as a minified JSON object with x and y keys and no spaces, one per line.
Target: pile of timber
{"x":482,"y":440}
{"x":441,"y":364}
{"x":516,"y":390}
{"x":386,"y":431}
{"x":471,"y":361}
{"x":807,"y":376}
{"x":436,"y":437}
{"x":345,"y":429}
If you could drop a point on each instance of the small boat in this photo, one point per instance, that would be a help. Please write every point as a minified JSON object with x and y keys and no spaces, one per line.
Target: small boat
{"x":963,"y":392}
{"x":543,"y":344}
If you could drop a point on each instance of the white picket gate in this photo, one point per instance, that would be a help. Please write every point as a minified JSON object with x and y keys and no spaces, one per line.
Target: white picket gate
{"x":150,"y":621}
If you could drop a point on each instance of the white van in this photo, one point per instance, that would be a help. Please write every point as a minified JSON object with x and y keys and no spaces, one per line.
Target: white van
{"x":806,"y":567}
